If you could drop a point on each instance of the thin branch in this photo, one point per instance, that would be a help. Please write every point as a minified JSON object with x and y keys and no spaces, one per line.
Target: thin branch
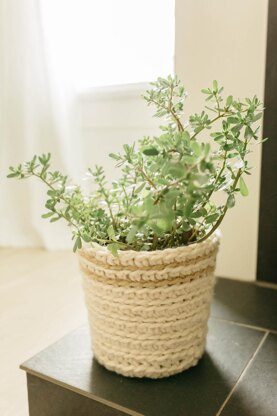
{"x":147,"y":178}
{"x":220,"y":219}
{"x":60,"y":197}
{"x":170,"y":110}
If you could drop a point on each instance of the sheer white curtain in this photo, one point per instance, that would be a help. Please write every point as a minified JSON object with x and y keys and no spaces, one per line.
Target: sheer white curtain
{"x":50,"y":52}
{"x":38,"y":114}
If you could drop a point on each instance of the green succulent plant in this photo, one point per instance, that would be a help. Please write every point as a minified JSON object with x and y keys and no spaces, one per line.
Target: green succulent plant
{"x":164,"y":196}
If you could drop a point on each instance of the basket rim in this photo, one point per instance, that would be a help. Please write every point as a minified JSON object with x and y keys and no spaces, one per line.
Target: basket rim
{"x":102,"y":251}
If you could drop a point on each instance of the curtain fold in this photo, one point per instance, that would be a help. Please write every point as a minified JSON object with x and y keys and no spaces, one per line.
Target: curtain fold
{"x":38,"y":113}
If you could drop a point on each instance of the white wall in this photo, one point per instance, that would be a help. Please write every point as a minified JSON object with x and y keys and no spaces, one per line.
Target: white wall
{"x":226,"y":40}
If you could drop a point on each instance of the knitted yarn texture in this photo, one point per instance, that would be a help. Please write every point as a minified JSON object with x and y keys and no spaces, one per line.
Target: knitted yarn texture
{"x":148,"y":311}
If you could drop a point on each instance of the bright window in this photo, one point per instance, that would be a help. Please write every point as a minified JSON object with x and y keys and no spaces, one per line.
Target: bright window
{"x":110,"y":42}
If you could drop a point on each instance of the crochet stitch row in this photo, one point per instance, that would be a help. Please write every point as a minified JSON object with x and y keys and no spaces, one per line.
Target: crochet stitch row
{"x":148,"y":311}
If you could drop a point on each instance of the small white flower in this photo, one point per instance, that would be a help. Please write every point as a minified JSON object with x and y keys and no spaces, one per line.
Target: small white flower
{"x":70,"y":188}
{"x":239,"y":164}
{"x":87,"y":176}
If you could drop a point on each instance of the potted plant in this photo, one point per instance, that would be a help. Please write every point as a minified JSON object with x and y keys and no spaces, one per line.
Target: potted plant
{"x":147,"y":242}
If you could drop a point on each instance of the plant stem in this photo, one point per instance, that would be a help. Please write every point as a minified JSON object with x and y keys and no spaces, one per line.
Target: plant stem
{"x":211,"y":191}
{"x":126,"y":198}
{"x":220,"y":219}
{"x":171,"y":111}
{"x":220,"y":115}
{"x":147,"y":178}
{"x":106,"y":198}
{"x":60,"y":196}
{"x":211,"y":122}
{"x":155,"y":241}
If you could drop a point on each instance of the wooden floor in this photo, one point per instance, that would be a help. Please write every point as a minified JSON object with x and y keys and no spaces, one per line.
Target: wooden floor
{"x":40,"y":301}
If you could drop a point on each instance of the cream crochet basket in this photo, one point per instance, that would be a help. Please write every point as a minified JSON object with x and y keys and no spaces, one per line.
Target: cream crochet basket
{"x":148,"y":311}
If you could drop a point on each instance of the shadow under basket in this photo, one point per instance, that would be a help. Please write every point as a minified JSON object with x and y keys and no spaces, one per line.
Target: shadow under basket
{"x":148,"y":311}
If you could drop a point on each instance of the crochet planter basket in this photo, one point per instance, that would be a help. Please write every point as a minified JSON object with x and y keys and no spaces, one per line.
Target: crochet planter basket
{"x":148,"y":311}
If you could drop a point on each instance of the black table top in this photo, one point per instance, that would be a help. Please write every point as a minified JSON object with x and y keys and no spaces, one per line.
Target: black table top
{"x":233,"y":377}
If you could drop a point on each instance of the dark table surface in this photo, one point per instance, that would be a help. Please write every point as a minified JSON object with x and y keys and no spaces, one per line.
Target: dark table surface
{"x":236,"y":376}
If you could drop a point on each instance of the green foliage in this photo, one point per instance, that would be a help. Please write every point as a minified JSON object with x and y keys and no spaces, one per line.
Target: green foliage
{"x":164,"y":197}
